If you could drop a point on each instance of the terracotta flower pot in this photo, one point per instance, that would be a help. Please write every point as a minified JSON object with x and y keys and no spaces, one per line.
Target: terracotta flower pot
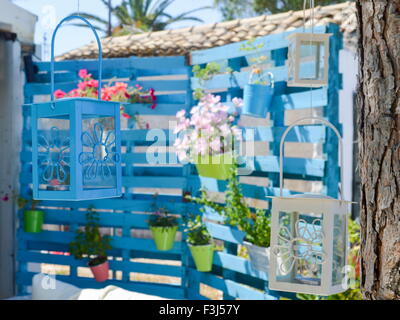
{"x":100,"y":271}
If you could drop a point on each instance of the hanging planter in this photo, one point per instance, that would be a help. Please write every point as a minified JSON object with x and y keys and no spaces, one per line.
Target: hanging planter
{"x":215,"y":166}
{"x":308,"y":237}
{"x":259,"y":256}
{"x":200,"y":243}
{"x":163,"y":226}
{"x":33,"y":220}
{"x":100,"y":268}
{"x":164,"y":237}
{"x":91,"y":245}
{"x":257,"y":98}
{"x":207,"y":138}
{"x":202,"y":256}
{"x":75,"y":156}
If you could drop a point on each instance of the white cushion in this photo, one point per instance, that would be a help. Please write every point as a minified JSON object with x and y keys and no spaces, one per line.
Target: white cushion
{"x":113,"y":293}
{"x":47,"y":287}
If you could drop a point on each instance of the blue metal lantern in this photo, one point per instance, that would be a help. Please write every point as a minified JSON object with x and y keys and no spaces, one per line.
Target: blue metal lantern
{"x":76,"y":147}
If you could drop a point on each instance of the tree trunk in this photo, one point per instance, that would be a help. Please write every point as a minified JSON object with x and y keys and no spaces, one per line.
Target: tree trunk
{"x":378,"y":107}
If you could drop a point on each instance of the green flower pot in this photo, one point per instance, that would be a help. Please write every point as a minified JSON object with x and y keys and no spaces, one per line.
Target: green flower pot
{"x":203,"y":257}
{"x":33,"y":220}
{"x":217,"y":166}
{"x":164,"y":237}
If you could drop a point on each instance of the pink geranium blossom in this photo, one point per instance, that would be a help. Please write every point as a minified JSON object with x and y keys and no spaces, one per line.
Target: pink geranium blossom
{"x":120,"y":92}
{"x":59,"y":94}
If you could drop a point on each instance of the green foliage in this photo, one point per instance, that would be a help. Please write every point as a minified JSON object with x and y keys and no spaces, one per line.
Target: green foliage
{"x":161,"y":218}
{"x":89,"y":242}
{"x":206,"y":73}
{"x":257,"y":75}
{"x":197,"y":233}
{"x":137,"y":16}
{"x":238,"y":9}
{"x":235,"y":9}
{"x":256,"y":224}
{"x":22,"y":202}
{"x":273,"y":6}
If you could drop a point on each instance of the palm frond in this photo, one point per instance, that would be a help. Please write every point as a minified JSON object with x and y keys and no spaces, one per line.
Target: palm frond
{"x":83,"y":25}
{"x":90,"y":17}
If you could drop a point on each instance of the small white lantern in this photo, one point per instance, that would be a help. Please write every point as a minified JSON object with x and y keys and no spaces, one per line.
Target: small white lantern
{"x":309,"y":241}
{"x":308,"y":59}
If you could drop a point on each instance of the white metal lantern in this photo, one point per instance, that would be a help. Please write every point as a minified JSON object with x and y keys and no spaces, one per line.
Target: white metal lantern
{"x":308,"y":59}
{"x":309,"y":241}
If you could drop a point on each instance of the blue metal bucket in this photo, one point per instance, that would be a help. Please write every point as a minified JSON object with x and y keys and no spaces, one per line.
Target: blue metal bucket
{"x":257,"y":99}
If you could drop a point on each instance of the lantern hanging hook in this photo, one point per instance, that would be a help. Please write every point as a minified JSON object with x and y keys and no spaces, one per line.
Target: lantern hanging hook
{"x":311,"y":5}
{"x":300,"y":122}
{"x":100,"y":64}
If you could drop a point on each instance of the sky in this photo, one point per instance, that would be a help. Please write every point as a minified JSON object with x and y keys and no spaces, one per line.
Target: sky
{"x":50,"y":12}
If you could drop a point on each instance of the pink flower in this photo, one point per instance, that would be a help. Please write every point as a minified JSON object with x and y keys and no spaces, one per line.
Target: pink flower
{"x":5,"y":198}
{"x":120,"y":86}
{"x":181,"y":114}
{"x":92,"y":83}
{"x":59,"y":94}
{"x":216,"y":144}
{"x":75,"y":93}
{"x":182,"y":125}
{"x":54,"y":182}
{"x":82,"y":85}
{"x":238,"y":102}
{"x":83,"y":73}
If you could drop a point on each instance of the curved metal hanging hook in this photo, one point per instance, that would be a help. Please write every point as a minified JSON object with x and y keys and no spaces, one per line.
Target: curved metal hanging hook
{"x":296,"y":123}
{"x":52,"y":54}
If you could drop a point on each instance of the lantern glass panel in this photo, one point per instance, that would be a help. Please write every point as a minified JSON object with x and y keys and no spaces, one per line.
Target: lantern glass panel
{"x":53,"y":161}
{"x":300,"y":253}
{"x":98,"y":157}
{"x":339,"y":248}
{"x":312,"y":55}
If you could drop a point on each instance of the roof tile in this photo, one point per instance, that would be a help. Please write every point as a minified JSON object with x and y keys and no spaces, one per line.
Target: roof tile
{"x":182,"y":41}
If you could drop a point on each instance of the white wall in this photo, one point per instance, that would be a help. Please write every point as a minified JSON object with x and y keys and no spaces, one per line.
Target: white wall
{"x":348,"y":67}
{"x":11,"y":81}
{"x":20,"y":21}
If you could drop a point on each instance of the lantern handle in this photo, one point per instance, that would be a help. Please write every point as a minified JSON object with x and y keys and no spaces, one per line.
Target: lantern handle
{"x":52,"y":54}
{"x":297,"y":123}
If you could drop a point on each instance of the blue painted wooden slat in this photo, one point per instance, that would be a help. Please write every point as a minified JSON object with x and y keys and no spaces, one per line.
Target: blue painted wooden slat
{"x":116,"y":242}
{"x":237,"y":264}
{"x":229,"y":51}
{"x":140,"y":267}
{"x":225,"y":233}
{"x":108,"y":74}
{"x":153,"y":63}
